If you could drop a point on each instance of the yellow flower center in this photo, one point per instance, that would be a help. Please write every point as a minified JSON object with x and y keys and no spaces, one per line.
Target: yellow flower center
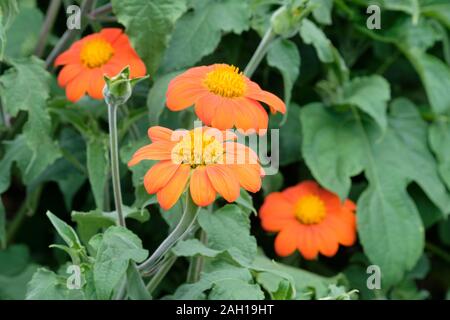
{"x":197,"y":148}
{"x":225,"y":81}
{"x":310,"y":209}
{"x":96,"y":52}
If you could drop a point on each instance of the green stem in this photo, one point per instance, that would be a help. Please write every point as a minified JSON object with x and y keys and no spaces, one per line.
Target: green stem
{"x":196,"y":264}
{"x":185,"y":224}
{"x":115,"y":173}
{"x":50,"y":18}
{"x":438,"y":252}
{"x":27,"y":209}
{"x":260,"y":52}
{"x":166,"y":265}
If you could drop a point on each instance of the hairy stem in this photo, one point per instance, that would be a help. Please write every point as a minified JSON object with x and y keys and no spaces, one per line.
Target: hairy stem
{"x":186,"y":222}
{"x":50,"y":18}
{"x":260,"y":52}
{"x":115,"y":173}
{"x":166,"y":265}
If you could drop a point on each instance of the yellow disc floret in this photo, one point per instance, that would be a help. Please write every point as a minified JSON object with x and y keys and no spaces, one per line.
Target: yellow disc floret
{"x":198,"y":148}
{"x":225,"y":81}
{"x":96,"y":52}
{"x":310,"y":209}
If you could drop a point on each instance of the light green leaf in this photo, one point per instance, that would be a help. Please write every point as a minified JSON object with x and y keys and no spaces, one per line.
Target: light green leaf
{"x":245,"y":202}
{"x":23,"y":33}
{"x":26,"y":87}
{"x":89,"y":223}
{"x":135,"y":285}
{"x":390,"y":164}
{"x":198,"y":32}
{"x":439,"y":135}
{"x":156,"y":99}
{"x":283,"y":55}
{"x":8,"y":10}
{"x":437,"y":9}
{"x":272,"y":183}
{"x":322,"y":11}
{"x":235,"y":289}
{"x":371,"y":95}
{"x":2,"y":226}
{"x":47,"y":285}
{"x":118,"y":247}
{"x":149,"y":23}
{"x":65,"y":231}
{"x":229,"y":229}
{"x":278,"y":287}
{"x":97,"y":162}
{"x":311,"y":34}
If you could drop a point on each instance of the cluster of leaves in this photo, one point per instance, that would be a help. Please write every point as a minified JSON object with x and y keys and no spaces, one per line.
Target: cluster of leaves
{"x":368,"y":118}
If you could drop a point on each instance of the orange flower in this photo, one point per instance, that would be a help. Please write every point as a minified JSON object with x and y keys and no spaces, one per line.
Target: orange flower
{"x":206,"y":159}
{"x":88,"y":59}
{"x":309,"y":219}
{"x":223,"y":97}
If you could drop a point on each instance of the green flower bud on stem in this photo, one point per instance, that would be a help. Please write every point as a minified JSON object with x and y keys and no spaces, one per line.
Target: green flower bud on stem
{"x":286,"y":20}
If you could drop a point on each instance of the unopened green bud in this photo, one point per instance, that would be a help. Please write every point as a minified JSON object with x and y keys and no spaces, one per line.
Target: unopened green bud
{"x":286,"y":20}
{"x":118,"y":89}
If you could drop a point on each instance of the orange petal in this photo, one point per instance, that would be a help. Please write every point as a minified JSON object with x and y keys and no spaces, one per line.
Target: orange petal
{"x":170,"y":194}
{"x":236,"y":153}
{"x":95,"y":89}
{"x":205,"y":108}
{"x":202,"y":191}
{"x":68,"y":73}
{"x":183,"y":92}
{"x":158,"y":133}
{"x":76,"y":88}
{"x":328,"y":242}
{"x":224,"y":117}
{"x":159,"y":175}
{"x":160,"y":150}
{"x":309,"y":248}
{"x":111,"y":34}
{"x":345,"y":232}
{"x":244,"y":117}
{"x":70,"y":56}
{"x":286,"y":241}
{"x":256,"y":93}
{"x":249,"y":176}
{"x":224,"y":181}
{"x":277,"y":207}
{"x":294,"y":193}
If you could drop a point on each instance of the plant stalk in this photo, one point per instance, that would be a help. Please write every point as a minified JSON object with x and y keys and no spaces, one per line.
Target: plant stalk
{"x":196,"y":264}
{"x":260,"y":52}
{"x":166,"y":265}
{"x":50,"y":18}
{"x":186,"y":221}
{"x":115,"y":173}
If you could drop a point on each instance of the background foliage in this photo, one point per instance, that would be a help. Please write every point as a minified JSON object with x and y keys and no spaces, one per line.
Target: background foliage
{"x":368,"y":118}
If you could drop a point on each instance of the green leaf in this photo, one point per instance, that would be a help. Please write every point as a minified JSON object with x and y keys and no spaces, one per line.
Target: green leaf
{"x":272,"y":183}
{"x":89,"y":223}
{"x":118,"y":247}
{"x":2,"y":226}
{"x":135,"y":285}
{"x":229,"y":229}
{"x":245,"y":202}
{"x":149,"y":23}
{"x":311,"y":34}
{"x":47,"y":285}
{"x":98,"y":167}
{"x":322,"y":11}
{"x":156,"y":99}
{"x":198,"y":32}
{"x":371,"y":95}
{"x":439,"y":134}
{"x":235,"y":289}
{"x":65,"y":231}
{"x":26,"y":87}
{"x":278,"y":287}
{"x":23,"y":33}
{"x":8,"y":10}
{"x":437,"y":9}
{"x":339,"y":146}
{"x":283,"y":55}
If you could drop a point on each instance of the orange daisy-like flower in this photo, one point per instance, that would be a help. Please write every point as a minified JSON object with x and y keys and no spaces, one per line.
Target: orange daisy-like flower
{"x":223,"y":97}
{"x":98,"y":54}
{"x":309,"y":219}
{"x":206,"y":159}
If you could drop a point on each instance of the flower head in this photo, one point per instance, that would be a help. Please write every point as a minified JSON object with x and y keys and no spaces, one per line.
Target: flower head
{"x":98,"y":54}
{"x":205,"y":159}
{"x":309,"y":219}
{"x":223,"y":97}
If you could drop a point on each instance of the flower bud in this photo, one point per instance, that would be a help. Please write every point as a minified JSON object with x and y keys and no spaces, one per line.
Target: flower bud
{"x":118,"y":89}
